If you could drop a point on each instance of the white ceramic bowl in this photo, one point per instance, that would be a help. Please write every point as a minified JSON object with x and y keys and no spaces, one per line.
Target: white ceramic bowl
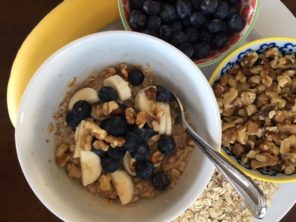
{"x":35,"y":147}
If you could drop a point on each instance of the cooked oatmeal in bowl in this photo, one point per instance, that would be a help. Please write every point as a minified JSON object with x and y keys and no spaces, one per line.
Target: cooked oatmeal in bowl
{"x":119,"y":134}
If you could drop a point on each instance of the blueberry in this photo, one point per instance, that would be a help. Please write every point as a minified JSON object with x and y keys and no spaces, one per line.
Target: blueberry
{"x":153,"y":22}
{"x":109,"y":165}
{"x":168,"y":13}
{"x":144,"y":169}
{"x":135,"y":77}
{"x":165,"y":32}
{"x":232,"y":11}
{"x":135,"y":4}
{"x":236,"y":22}
{"x":186,"y":22}
{"x":184,"y":8}
{"x":150,"y":32}
{"x":115,"y":126}
{"x":132,"y":142}
{"x":205,"y":35}
{"x":107,"y":94}
{"x":176,"y":26}
{"x":116,"y":153}
{"x":144,"y":133}
{"x":197,"y":19}
{"x":192,"y":35}
{"x":137,"y":20}
{"x":166,"y":144}
{"x":99,"y":152}
{"x":163,"y":95}
{"x":196,"y":4}
{"x":142,"y":152}
{"x":222,"y":10}
{"x":72,"y":120}
{"x":219,"y":40}
{"x":151,"y":7}
{"x":187,"y":49}
{"x":201,"y":50}
{"x":225,"y":28}
{"x":160,"y":181}
{"x":233,"y":1}
{"x":215,"y":26}
{"x":81,"y":109}
{"x":208,"y":7}
{"x":178,"y":38}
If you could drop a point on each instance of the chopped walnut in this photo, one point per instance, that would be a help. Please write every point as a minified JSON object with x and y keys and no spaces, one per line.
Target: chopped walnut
{"x":123,"y":70}
{"x":256,"y":99}
{"x":115,"y":141}
{"x":97,"y":112}
{"x":156,"y":158}
{"x":105,"y":183}
{"x":248,"y":98}
{"x":109,"y":107}
{"x":62,"y":155}
{"x":130,"y":115}
{"x":73,"y":171}
{"x":249,"y":60}
{"x":100,"y":145}
{"x":141,"y":119}
{"x":287,"y":144}
{"x":229,"y":97}
{"x":283,"y":80}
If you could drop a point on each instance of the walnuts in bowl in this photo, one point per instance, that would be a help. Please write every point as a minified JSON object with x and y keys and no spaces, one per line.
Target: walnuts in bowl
{"x":256,"y":99}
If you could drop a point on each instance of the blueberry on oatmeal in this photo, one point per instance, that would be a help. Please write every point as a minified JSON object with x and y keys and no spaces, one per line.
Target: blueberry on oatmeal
{"x":145,"y":132}
{"x":163,"y":95}
{"x":107,"y":94}
{"x":115,"y":126}
{"x":144,"y":169}
{"x":136,"y":77}
{"x":72,"y":120}
{"x":132,"y":142}
{"x":160,"y":180}
{"x":166,"y":145}
{"x":116,"y":153}
{"x":142,"y":152}
{"x":81,"y":109}
{"x":109,"y":165}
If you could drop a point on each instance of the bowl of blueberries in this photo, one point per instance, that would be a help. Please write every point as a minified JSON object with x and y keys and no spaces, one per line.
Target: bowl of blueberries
{"x":204,"y":30}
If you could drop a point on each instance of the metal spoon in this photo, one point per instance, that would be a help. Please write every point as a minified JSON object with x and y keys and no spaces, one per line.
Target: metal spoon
{"x":245,"y":187}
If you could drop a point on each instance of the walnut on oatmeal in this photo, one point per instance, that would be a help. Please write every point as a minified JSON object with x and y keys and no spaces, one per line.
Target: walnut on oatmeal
{"x":260,"y":93}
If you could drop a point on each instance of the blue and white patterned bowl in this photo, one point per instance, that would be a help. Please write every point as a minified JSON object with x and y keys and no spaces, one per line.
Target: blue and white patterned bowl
{"x":286,"y":46}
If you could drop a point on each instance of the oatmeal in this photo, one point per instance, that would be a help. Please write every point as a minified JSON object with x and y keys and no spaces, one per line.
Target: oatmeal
{"x":257,"y":105}
{"x":119,"y":135}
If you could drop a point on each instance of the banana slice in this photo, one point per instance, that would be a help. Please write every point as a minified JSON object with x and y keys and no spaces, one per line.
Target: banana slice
{"x":90,"y":167}
{"x":123,"y":185}
{"x":78,"y":134}
{"x":128,"y":162}
{"x":142,"y":103}
{"x":87,"y":94}
{"x":160,"y":110}
{"x":168,"y":120}
{"x":121,"y":86}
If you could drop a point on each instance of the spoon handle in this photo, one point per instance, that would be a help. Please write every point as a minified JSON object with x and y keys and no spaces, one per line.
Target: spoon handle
{"x":245,"y":187}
